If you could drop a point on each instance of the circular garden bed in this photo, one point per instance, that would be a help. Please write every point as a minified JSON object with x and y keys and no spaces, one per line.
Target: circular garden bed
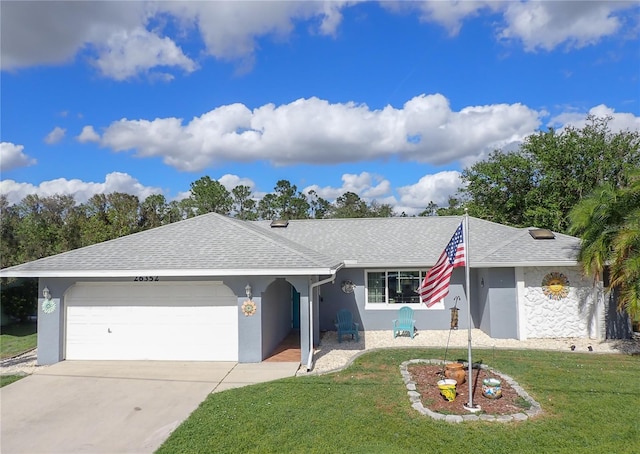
{"x":421,"y":377}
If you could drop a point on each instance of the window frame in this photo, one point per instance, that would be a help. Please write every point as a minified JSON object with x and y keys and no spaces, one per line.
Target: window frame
{"x":383,"y":291}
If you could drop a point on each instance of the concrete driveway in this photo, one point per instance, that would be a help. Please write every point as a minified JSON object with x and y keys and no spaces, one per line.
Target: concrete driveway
{"x":114,"y":406}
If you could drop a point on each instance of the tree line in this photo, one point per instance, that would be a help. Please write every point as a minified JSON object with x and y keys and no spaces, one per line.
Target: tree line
{"x":539,"y":184}
{"x":38,"y":226}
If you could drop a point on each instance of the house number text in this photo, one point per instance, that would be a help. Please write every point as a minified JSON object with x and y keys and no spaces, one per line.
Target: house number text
{"x":146,"y":279}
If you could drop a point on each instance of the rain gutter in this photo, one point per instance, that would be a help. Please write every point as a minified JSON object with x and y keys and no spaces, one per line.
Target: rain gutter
{"x":312,"y":287}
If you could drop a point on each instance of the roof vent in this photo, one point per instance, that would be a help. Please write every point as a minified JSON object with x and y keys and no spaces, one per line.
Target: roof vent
{"x":542,"y":234}
{"x":280,"y":223}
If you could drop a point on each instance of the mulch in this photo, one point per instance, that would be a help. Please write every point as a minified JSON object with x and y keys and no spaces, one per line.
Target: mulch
{"x":426,"y":377}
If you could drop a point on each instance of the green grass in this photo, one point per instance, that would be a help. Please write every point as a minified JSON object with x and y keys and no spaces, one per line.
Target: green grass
{"x":590,"y":404}
{"x":8,"y":379}
{"x":17,"y":338}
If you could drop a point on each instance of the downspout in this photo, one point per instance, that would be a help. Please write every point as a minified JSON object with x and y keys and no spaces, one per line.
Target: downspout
{"x":312,"y":287}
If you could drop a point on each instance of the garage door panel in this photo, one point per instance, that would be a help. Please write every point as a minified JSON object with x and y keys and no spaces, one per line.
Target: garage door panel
{"x":149,"y":325}
{"x":185,"y":293}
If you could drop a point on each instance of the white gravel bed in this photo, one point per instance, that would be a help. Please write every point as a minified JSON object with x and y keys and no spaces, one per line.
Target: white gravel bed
{"x":331,"y":355}
{"x":23,"y":364}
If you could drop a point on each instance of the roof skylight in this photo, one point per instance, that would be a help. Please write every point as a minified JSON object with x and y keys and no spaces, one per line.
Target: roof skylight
{"x":542,"y":234}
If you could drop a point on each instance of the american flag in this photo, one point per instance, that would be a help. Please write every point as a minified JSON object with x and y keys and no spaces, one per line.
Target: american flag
{"x":436,"y":283}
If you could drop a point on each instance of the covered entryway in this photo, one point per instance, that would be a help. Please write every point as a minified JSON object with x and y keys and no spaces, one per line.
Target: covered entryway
{"x":281,"y":322}
{"x":189,"y":321}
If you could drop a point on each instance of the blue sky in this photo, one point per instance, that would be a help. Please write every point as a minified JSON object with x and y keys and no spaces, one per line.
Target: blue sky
{"x":390,"y":100}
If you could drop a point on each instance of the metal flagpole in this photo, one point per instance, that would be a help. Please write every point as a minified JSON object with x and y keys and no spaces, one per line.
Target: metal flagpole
{"x":465,"y":238}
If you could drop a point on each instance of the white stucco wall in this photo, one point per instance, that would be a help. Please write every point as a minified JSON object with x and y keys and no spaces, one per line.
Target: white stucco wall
{"x":580,"y":314}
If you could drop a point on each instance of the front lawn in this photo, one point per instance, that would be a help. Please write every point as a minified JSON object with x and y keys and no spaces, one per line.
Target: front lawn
{"x":8,"y":379}
{"x":17,"y":338}
{"x":590,"y":403}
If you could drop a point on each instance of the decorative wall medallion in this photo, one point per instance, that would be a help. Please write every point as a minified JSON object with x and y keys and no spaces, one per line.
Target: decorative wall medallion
{"x":48,"y":306}
{"x":348,"y":286}
{"x":555,"y":286}
{"x":249,"y":308}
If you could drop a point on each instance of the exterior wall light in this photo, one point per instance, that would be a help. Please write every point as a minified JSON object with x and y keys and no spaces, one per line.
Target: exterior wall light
{"x":48,"y":305}
{"x":249,"y":308}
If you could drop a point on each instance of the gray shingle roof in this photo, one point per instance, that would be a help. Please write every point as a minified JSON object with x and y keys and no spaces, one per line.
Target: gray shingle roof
{"x":213,"y":244}
{"x":521,"y":249}
{"x":204,"y":245}
{"x":419,"y":241}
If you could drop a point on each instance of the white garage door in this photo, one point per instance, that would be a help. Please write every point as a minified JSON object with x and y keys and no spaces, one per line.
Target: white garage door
{"x":189,"y":321}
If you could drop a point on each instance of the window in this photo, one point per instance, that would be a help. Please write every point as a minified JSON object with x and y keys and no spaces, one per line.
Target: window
{"x":394,"y":287}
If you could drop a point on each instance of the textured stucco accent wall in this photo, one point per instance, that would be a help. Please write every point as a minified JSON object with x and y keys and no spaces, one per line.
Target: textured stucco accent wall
{"x":580,"y":314}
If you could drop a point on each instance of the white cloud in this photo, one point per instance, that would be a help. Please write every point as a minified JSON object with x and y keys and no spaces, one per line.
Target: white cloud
{"x":44,"y":32}
{"x":424,"y":130}
{"x":80,"y":190}
{"x":55,"y":136}
{"x":547,"y":25}
{"x":619,"y":121}
{"x":182,"y":195}
{"x":231,"y":181}
{"x":113,"y":34}
{"x":413,"y":199}
{"x":88,"y":134}
{"x":229,"y":29}
{"x":13,"y":157}
{"x":435,"y":188}
{"x":332,"y":16}
{"x":368,"y":186}
{"x":535,"y":24}
{"x":126,"y":39}
{"x":128,"y":53}
{"x":450,"y":14}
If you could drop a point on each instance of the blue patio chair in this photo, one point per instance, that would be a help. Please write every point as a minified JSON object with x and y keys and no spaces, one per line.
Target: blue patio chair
{"x":404,"y":322}
{"x":346,"y":325}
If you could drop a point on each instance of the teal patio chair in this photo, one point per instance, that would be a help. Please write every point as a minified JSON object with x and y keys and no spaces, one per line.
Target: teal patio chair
{"x":346,"y":325}
{"x":404,"y":322}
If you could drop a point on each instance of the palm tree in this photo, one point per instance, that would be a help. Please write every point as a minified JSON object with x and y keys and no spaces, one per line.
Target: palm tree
{"x":608,"y":222}
{"x":625,"y":269}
